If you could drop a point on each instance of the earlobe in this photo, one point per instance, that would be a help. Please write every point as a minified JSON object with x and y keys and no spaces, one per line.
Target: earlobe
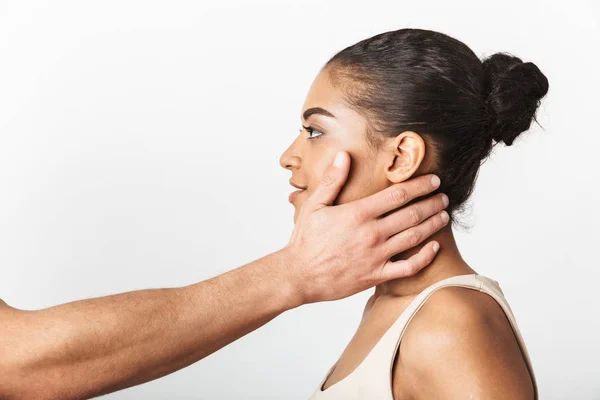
{"x":405,"y":158}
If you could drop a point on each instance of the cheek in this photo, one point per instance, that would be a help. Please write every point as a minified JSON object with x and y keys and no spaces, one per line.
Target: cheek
{"x":315,"y":164}
{"x":363,"y":180}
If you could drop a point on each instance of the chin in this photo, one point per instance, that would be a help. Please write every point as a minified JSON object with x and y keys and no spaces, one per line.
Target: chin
{"x":297,"y":208}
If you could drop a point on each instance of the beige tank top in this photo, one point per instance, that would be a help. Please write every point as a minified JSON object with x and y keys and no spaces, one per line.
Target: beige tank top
{"x":372,"y":379}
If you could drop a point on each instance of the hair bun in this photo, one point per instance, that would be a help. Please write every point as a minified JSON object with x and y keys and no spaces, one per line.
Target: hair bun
{"x":512,"y":91}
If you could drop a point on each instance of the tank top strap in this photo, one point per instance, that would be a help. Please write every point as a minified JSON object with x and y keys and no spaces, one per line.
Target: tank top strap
{"x":381,"y":358}
{"x":385,"y":350}
{"x":380,"y":361}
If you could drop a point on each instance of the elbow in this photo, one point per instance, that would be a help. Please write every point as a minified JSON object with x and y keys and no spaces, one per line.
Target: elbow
{"x":17,"y":381}
{"x":13,"y":382}
{"x":10,"y":372}
{"x":27,"y":378}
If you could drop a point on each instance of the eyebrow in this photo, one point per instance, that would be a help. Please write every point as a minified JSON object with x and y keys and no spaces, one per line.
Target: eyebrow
{"x":317,"y":110}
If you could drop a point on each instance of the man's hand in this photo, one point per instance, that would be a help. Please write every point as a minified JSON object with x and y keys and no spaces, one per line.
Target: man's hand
{"x":344,"y":249}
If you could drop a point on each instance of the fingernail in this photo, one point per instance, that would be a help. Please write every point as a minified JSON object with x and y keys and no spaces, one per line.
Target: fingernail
{"x":339,"y":160}
{"x":435,"y":181}
{"x":445,"y":199}
{"x":436,"y":247}
{"x":444,"y":216}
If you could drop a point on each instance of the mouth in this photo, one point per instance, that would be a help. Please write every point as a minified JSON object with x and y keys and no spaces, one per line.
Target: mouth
{"x":295,"y":193}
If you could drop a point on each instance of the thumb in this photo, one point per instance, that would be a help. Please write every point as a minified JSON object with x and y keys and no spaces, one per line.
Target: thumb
{"x":332,"y":181}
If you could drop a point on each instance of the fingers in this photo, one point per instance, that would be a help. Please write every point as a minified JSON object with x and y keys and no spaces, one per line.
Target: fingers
{"x":413,"y":236}
{"x":405,"y":268}
{"x":397,"y":195}
{"x":331,"y":183}
{"x":411,"y":215}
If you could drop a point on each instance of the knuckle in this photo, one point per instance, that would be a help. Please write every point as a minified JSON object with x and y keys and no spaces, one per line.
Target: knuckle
{"x":358,"y":216}
{"x":413,"y":238}
{"x":398,"y":196}
{"x":414,"y":215}
{"x":328,"y":179}
{"x":371,"y":236}
{"x":424,"y":186}
{"x":410,"y":268}
{"x":368,"y":237}
{"x":415,"y":267}
{"x":362,"y":215}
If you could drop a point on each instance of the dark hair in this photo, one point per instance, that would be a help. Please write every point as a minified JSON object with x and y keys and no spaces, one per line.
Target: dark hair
{"x":434,"y":85}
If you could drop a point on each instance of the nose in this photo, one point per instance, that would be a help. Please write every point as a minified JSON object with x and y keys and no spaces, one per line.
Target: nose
{"x":290,"y":158}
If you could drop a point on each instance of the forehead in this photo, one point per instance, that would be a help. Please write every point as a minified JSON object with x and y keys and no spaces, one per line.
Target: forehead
{"x":324,"y":94}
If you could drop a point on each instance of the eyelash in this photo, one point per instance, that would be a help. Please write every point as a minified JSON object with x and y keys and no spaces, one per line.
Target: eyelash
{"x":310,"y":131}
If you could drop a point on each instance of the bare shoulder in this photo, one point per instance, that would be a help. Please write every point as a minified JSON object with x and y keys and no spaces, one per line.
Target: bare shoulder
{"x":461,"y":345}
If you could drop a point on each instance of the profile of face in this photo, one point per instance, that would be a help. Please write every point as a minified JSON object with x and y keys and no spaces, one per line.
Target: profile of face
{"x":330,"y":125}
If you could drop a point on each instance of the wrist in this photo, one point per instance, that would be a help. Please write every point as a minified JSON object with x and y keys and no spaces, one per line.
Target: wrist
{"x":290,"y":286}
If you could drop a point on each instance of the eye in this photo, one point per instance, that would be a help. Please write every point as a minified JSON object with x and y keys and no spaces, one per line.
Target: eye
{"x":312,"y":133}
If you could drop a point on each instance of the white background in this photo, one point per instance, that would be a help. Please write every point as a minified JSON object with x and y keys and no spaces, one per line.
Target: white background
{"x":139,"y":147}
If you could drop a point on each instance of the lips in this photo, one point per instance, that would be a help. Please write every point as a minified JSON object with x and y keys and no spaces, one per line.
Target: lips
{"x":297,"y":186}
{"x":295,"y":193}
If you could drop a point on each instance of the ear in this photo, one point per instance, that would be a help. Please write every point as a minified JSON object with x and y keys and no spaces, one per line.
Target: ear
{"x":406,"y":153}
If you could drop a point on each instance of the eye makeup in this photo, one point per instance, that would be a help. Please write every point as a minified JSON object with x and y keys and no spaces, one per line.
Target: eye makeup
{"x":310,"y":131}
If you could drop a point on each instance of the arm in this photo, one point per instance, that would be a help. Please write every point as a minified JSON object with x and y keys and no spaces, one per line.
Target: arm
{"x":97,"y":346}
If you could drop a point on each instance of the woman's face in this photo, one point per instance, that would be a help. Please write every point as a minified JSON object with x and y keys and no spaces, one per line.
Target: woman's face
{"x":334,"y":127}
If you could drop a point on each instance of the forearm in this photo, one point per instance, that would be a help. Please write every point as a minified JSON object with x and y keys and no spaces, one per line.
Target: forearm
{"x":96,"y":346}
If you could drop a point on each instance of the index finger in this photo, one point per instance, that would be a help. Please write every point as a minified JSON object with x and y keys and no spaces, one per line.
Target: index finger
{"x":397,"y":195}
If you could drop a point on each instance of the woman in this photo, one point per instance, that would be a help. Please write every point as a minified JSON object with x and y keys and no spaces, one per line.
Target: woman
{"x":403,"y":104}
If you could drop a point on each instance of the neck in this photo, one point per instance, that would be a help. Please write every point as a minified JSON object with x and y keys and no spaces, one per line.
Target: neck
{"x":448,"y":262}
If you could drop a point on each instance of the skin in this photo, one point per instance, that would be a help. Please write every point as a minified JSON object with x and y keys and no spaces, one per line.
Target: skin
{"x":92,"y":347}
{"x":465,"y":329}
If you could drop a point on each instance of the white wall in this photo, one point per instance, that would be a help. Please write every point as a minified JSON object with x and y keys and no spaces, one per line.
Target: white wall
{"x":139,"y":146}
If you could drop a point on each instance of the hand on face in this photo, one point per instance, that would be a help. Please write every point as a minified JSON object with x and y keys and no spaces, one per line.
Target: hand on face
{"x":341,"y":250}
{"x":329,"y":126}
{"x":345,"y":249}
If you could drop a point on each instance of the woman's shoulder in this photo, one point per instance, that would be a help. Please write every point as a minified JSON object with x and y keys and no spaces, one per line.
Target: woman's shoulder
{"x":455,"y":315}
{"x":461,"y":342}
